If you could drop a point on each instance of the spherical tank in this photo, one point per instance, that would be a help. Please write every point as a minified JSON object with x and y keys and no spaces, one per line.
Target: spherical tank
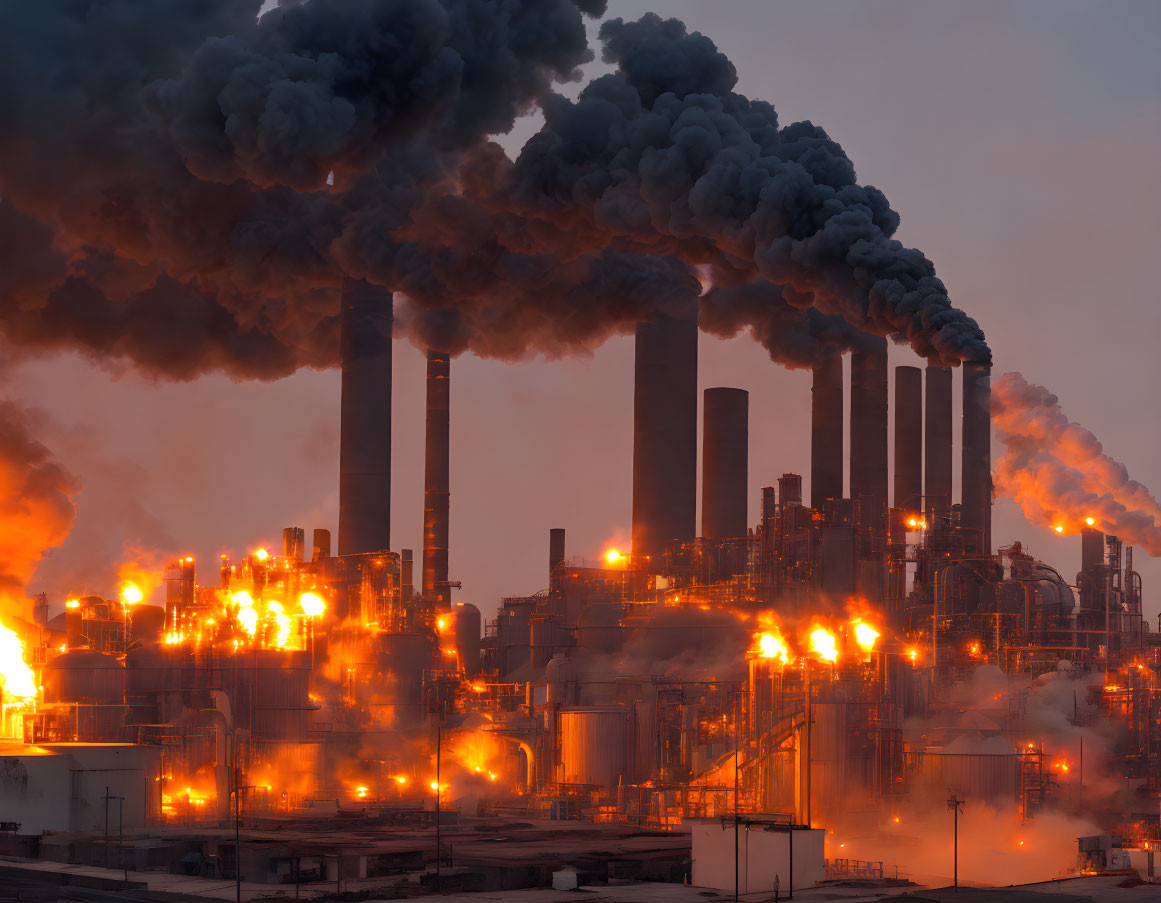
{"x":86,"y":677}
{"x":468,"y":637}
{"x":594,"y":745}
{"x":154,"y":668}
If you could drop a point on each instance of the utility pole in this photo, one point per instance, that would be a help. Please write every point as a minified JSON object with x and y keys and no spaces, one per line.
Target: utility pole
{"x":106,"y":827}
{"x":954,"y":804}
{"x":438,"y":761}
{"x":737,"y":769}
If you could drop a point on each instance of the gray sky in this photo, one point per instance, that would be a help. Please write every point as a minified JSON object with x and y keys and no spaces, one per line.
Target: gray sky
{"x":1018,"y":140}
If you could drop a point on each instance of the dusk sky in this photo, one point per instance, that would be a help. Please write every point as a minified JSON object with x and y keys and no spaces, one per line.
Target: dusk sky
{"x":1018,"y":140}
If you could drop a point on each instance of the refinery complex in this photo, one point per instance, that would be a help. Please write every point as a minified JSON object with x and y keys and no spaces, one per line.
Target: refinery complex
{"x":836,"y":664}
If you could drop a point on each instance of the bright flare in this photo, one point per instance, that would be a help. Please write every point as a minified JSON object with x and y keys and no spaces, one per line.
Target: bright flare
{"x":614,"y":557}
{"x":131,"y":593}
{"x":865,"y":636}
{"x":14,"y":671}
{"x":772,"y":645}
{"x":312,"y":605}
{"x":248,"y":618}
{"x":1089,"y":521}
{"x":242,"y":599}
{"x":822,"y":644}
{"x":1058,"y":528}
{"x":261,"y":554}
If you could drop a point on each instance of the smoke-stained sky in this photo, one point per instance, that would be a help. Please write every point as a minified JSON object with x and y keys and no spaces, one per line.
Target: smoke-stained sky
{"x":1018,"y":142}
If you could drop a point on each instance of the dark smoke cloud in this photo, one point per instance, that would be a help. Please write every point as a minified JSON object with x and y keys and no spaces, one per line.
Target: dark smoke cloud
{"x":186,"y":184}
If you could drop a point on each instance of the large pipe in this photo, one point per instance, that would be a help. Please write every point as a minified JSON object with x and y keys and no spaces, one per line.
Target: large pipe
{"x":826,"y":432}
{"x":724,"y":463}
{"x":909,"y":439}
{"x":869,"y":434}
{"x":976,"y":467}
{"x":365,"y":419}
{"x":937,"y":443}
{"x":436,"y":479}
{"x":665,"y":433}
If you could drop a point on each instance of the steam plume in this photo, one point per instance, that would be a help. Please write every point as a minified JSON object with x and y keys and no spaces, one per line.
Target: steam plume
{"x":1058,"y":473}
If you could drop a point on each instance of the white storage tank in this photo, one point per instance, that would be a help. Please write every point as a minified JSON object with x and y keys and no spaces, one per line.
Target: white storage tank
{"x":594,"y":745}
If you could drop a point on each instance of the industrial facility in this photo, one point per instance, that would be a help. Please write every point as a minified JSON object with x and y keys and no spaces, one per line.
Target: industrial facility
{"x":827,"y":663}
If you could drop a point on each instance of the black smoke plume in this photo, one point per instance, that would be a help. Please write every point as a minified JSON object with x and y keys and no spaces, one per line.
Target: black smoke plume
{"x":182,"y":186}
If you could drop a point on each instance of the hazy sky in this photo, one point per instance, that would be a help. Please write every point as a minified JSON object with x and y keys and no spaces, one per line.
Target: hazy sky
{"x":1020,"y":143}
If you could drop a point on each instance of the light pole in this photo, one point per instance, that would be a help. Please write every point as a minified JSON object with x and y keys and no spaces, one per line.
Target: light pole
{"x":954,"y":804}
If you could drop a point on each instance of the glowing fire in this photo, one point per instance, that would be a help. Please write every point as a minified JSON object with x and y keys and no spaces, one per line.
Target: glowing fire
{"x":822,"y":644}
{"x":865,"y":636}
{"x":772,"y":645}
{"x":614,"y":558}
{"x":131,"y":593}
{"x":1059,"y":528}
{"x":261,"y":554}
{"x":313,"y":606}
{"x":19,"y":683}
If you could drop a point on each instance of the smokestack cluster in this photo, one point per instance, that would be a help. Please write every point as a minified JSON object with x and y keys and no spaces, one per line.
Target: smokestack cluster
{"x":868,"y":464}
{"x":826,"y":432}
{"x":725,"y":463}
{"x":665,"y":432}
{"x":365,"y":419}
{"x":437,"y":480}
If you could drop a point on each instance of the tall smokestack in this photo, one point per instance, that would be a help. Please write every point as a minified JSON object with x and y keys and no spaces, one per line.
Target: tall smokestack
{"x":937,"y":443}
{"x":436,"y":479}
{"x":976,"y":467}
{"x":869,"y":435}
{"x":909,"y":439}
{"x":826,"y":432}
{"x":365,"y":419}
{"x":406,"y":575}
{"x":665,"y":433}
{"x":1092,"y":548}
{"x":724,"y":463}
{"x":555,"y":548}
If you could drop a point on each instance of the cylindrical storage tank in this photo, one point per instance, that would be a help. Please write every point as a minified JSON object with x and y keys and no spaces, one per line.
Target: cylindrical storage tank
{"x":560,"y":675}
{"x":868,"y":465}
{"x":826,"y":432}
{"x":293,"y":542}
{"x":402,"y":660}
{"x":724,"y":459}
{"x":320,"y":545}
{"x":828,"y":757}
{"x":665,"y":432}
{"x":468,"y":637}
{"x":594,"y":745}
{"x":365,"y":418}
{"x":153,"y":668}
{"x":86,"y":677}
{"x":937,"y":443}
{"x":909,"y":439}
{"x":976,"y":467}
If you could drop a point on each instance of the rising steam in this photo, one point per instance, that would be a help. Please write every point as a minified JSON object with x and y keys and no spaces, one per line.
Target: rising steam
{"x":1058,"y":473}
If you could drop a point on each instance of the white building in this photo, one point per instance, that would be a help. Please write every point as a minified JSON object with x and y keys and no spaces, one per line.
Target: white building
{"x":763,"y":853}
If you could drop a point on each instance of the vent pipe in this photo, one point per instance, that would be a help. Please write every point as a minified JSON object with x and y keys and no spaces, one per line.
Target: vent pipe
{"x":436,"y":481}
{"x":665,"y":433}
{"x":976,"y":468}
{"x":937,"y":444}
{"x":365,"y":419}
{"x":869,"y":435}
{"x":909,"y":439}
{"x":826,"y":432}
{"x":724,"y":463}
{"x":555,"y":549}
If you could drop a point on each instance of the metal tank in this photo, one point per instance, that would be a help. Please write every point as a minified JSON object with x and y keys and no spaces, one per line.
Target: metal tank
{"x":594,"y":745}
{"x":403,"y":658}
{"x":94,"y":684}
{"x":560,"y":676}
{"x":273,"y":693}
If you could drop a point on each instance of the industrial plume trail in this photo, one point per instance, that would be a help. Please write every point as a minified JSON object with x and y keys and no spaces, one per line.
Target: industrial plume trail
{"x":225,"y":171}
{"x":1058,"y":473}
